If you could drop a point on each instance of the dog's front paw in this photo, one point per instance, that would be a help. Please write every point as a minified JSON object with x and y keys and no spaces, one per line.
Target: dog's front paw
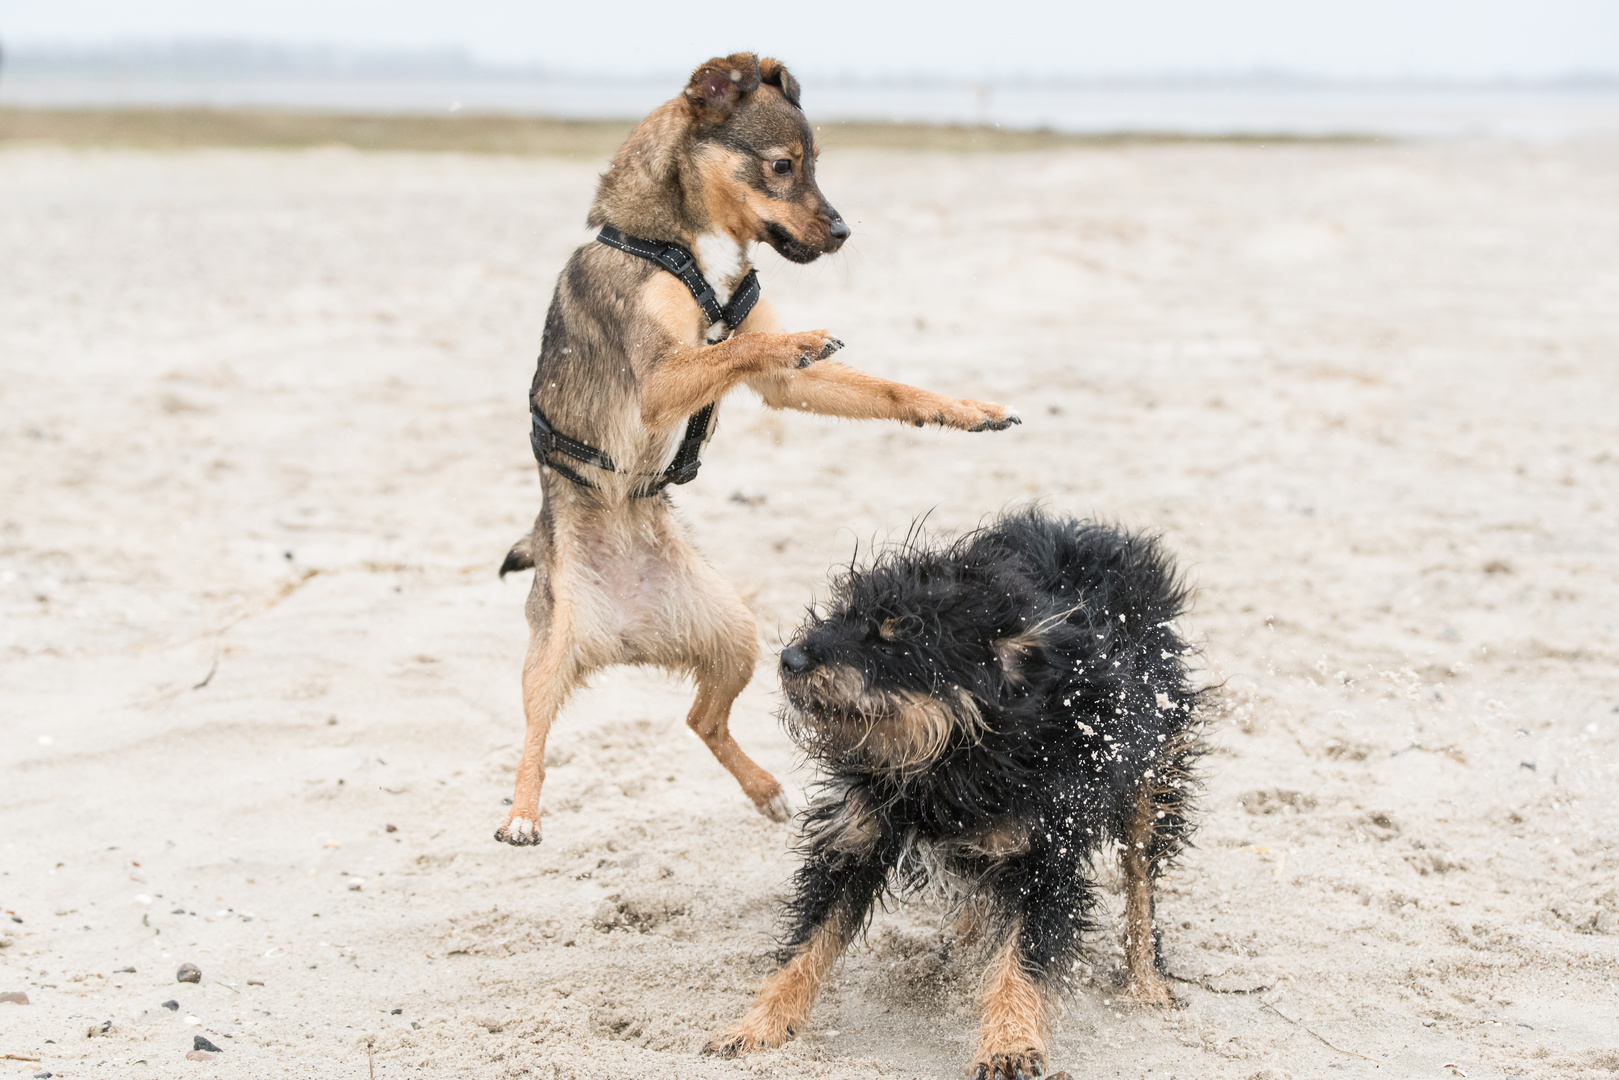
{"x":977,"y":416}
{"x":747,"y":1035}
{"x":1025,"y":1064}
{"x":809,"y":346}
{"x":519,"y":830}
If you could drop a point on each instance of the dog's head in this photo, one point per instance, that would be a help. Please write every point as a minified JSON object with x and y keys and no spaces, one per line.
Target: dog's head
{"x":900,"y":663}
{"x":735,"y":150}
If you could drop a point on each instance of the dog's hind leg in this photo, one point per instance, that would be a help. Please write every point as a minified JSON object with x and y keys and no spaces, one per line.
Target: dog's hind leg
{"x":703,"y":627}
{"x":1138,"y":854}
{"x":550,"y":672}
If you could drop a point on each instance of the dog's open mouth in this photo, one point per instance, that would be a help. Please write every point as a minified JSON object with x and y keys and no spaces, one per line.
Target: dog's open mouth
{"x":789,"y":247}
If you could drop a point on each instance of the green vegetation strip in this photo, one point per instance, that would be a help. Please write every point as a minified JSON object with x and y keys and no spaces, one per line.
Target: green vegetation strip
{"x":489,"y":133}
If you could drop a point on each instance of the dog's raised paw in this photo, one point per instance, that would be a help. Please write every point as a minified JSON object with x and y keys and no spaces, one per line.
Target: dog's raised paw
{"x":519,"y":832}
{"x":776,"y":808}
{"x":832,"y":345}
{"x":999,"y":425}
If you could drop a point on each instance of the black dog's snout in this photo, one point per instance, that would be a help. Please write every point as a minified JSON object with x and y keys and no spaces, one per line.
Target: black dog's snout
{"x":794,"y":659}
{"x":839,"y":229}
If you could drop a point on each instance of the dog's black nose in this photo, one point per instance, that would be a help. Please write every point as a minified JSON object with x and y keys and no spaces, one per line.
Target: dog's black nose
{"x":794,"y":659}
{"x":839,"y":229}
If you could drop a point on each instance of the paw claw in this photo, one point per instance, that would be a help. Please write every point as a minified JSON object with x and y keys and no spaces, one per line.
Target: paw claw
{"x":519,"y":831}
{"x":728,"y":1046}
{"x":832,"y":345}
{"x":989,"y":424}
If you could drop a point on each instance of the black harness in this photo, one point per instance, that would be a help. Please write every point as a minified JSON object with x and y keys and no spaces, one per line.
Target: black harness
{"x":549,"y":442}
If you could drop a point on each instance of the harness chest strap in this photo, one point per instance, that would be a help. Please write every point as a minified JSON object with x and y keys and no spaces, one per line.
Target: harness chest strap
{"x":675,"y":259}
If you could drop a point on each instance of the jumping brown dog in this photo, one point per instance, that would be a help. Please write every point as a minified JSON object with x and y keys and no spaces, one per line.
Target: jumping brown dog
{"x":629,"y":371}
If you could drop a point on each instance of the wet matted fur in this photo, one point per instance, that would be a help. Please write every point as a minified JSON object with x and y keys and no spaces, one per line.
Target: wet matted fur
{"x":989,"y":716}
{"x":628,"y":356}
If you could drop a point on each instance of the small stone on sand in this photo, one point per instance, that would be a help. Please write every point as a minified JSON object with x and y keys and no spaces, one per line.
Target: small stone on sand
{"x":199,"y":1042}
{"x":14,"y":997}
{"x":190,"y":973}
{"x":172,"y":1005}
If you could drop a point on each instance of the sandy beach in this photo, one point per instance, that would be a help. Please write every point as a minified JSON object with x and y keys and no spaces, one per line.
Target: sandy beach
{"x":263,"y":430}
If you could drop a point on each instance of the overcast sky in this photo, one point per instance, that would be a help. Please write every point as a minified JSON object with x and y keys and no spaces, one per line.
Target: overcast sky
{"x":1464,"y":39}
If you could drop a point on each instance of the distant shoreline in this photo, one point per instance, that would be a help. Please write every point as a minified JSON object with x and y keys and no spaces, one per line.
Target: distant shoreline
{"x":1254,"y":109}
{"x":496,"y":133}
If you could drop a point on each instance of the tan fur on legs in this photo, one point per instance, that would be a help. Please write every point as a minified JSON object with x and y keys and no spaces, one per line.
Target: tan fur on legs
{"x":783,"y":1003}
{"x":1147,"y":986}
{"x":1012,"y":1025}
{"x":700,"y":625}
{"x":548,"y":678}
{"x":832,"y":389}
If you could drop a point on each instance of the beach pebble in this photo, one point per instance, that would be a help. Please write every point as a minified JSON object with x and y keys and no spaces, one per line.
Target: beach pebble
{"x":194,"y":1021}
{"x":199,"y":1055}
{"x":199,"y":1042}
{"x":172,"y":1005}
{"x":190,"y":973}
{"x":103,"y":1028}
{"x":255,"y":982}
{"x":43,"y":1076}
{"x":14,"y":997}
{"x":390,"y":828}
{"x":125,"y":971}
{"x":354,"y":886}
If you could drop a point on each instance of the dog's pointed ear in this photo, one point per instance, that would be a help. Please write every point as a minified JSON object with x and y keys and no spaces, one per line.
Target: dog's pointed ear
{"x":718,"y":85}
{"x":776,"y":74}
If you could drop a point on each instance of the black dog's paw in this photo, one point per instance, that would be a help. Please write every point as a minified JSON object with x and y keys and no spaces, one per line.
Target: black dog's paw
{"x":1017,"y":1065}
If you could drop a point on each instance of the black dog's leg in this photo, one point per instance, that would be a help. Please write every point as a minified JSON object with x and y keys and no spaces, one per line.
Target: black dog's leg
{"x":1156,"y":829}
{"x":1138,"y":848}
{"x":833,"y":894}
{"x":1040,"y":899}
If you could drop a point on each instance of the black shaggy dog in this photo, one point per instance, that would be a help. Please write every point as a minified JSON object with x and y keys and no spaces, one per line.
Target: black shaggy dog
{"x":989,"y":717}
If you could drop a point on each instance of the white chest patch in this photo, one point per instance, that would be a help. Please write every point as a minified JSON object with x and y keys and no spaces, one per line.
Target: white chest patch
{"x":723,"y":262}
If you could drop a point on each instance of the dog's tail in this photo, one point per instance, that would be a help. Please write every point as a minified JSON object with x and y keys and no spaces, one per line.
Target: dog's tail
{"x":520,"y":557}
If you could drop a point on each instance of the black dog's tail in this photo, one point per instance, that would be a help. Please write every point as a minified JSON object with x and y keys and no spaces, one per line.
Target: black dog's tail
{"x":520,"y":557}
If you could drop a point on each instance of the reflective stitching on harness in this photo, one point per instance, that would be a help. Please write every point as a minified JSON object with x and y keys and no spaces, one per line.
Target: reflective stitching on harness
{"x":675,"y":259}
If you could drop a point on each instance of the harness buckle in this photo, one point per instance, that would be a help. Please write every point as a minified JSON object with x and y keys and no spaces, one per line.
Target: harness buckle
{"x":684,"y":473}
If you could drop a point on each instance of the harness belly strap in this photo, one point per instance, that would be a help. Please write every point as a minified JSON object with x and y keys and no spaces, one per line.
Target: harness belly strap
{"x":548,"y":442}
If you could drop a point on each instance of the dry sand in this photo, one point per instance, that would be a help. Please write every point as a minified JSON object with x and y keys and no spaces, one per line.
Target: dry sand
{"x":263,"y":432}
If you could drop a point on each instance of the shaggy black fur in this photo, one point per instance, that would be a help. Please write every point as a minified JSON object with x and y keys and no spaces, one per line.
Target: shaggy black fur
{"x":1046,"y":646}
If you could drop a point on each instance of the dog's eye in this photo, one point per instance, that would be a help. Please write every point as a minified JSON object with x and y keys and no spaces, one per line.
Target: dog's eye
{"x":782,"y":166}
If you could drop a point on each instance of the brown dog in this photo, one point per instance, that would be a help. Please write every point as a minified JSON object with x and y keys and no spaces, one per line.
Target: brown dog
{"x":633,"y":362}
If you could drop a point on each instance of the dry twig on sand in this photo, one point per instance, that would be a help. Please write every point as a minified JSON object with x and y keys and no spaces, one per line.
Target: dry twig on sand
{"x":1317,"y":1034}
